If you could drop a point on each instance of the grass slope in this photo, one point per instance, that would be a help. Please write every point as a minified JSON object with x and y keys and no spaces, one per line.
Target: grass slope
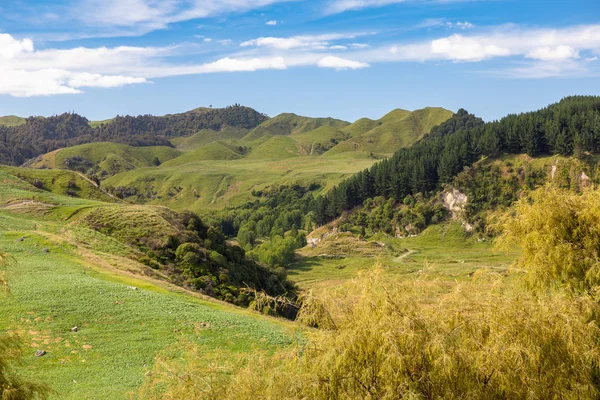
{"x":87,"y":279}
{"x":111,"y":157}
{"x":288,"y":124}
{"x":202,"y":185}
{"x":11,"y":120}
{"x":397,"y":129}
{"x":18,"y":184}
{"x":207,"y":136}
{"x":211,"y":151}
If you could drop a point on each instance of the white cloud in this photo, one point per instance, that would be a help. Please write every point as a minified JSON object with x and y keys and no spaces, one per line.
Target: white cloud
{"x":442,"y":22}
{"x":339,"y":6}
{"x":464,"y":25}
{"x":142,"y":16}
{"x":101,"y":81}
{"x":207,"y":40}
{"x":532,"y":53}
{"x":26,"y":72}
{"x":316,"y":42}
{"x":460,"y":48}
{"x":10,"y":47}
{"x":225,"y":42}
{"x":557,"y":53}
{"x":340,"y":63}
{"x":271,"y":23}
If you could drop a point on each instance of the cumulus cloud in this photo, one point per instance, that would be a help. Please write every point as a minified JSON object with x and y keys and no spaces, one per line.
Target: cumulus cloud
{"x":271,"y":23}
{"x":460,"y":48}
{"x":340,"y":63}
{"x":26,"y":72}
{"x":557,"y":53}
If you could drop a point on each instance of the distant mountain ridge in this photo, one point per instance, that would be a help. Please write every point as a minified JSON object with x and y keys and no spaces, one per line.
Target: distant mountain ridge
{"x":39,"y":135}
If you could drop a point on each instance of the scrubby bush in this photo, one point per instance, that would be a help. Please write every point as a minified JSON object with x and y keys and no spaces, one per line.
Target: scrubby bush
{"x":382,"y":338}
{"x":558,"y":233}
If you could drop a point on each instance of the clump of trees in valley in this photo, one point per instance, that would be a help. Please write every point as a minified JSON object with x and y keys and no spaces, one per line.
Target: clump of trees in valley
{"x":273,"y":226}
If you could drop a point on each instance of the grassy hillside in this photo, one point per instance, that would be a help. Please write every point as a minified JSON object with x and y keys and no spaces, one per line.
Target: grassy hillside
{"x":207,"y":136}
{"x":11,"y":120}
{"x":32,"y":184}
{"x":106,"y":158}
{"x":217,"y":169}
{"x":399,"y":128}
{"x":75,"y":266}
{"x":211,"y":151}
{"x":288,"y":124}
{"x":202,"y":185}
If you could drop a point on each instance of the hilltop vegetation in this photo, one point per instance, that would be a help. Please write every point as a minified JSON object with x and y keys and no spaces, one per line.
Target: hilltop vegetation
{"x":571,"y":126}
{"x":11,"y":120}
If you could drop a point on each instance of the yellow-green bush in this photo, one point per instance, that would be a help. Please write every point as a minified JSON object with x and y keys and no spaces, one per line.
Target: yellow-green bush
{"x":392,"y":339}
{"x":559,"y":235}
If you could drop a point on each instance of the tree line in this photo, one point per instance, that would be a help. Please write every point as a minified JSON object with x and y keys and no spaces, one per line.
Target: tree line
{"x":570,"y":127}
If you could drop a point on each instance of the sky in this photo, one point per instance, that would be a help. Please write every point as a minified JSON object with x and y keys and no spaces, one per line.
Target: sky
{"x":341,"y":58}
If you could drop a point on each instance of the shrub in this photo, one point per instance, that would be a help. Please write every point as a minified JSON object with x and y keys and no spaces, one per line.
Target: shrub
{"x":558,"y":233}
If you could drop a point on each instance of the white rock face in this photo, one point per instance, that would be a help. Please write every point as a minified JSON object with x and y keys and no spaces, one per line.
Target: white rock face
{"x":455,"y":202}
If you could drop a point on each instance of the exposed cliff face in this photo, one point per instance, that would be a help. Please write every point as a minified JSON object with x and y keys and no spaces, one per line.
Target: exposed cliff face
{"x":455,"y":201}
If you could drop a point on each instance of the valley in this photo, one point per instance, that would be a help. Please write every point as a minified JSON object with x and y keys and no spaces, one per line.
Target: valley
{"x":133,"y":264}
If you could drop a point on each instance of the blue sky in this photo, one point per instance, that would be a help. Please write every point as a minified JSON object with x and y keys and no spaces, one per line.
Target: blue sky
{"x":342,"y":58}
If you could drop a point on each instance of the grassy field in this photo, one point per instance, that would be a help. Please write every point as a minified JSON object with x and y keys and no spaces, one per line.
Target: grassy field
{"x":123,"y":321}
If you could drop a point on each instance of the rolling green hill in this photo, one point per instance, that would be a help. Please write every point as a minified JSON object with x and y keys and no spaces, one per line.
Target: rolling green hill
{"x":207,"y":136}
{"x":211,"y":151}
{"x":399,"y":128}
{"x":104,"y":159}
{"x":11,"y":120}
{"x":288,"y":124}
